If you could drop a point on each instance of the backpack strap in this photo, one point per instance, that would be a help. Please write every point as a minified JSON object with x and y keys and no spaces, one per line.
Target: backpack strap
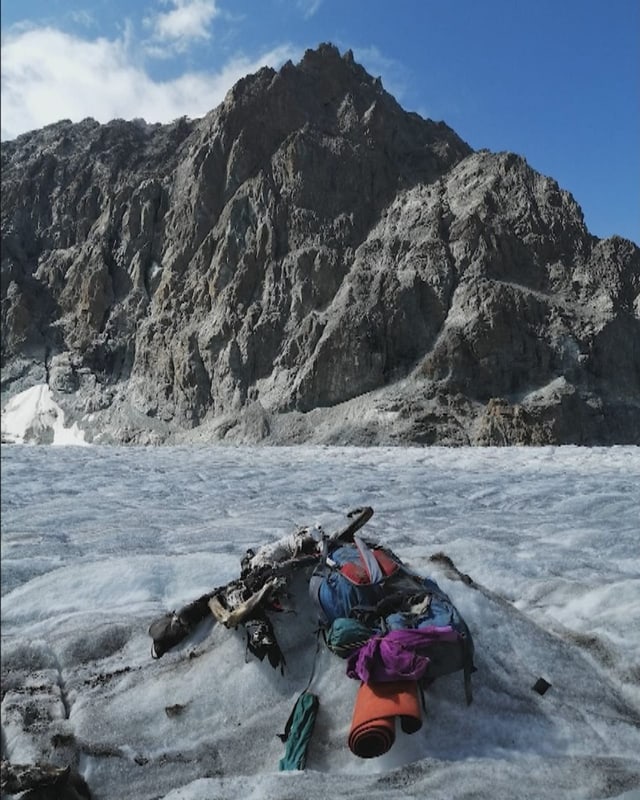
{"x":423,"y":685}
{"x":468,"y":669}
{"x":320,"y":631}
{"x":368,"y":560}
{"x":468,"y":694}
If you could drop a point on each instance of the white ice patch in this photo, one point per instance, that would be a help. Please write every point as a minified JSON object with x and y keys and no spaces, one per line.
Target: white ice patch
{"x":34,"y":416}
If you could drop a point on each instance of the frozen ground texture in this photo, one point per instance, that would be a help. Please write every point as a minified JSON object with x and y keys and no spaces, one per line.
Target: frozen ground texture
{"x":98,"y":541}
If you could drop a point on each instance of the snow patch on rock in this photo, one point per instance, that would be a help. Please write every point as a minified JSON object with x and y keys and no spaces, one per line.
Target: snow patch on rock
{"x":33,"y":417}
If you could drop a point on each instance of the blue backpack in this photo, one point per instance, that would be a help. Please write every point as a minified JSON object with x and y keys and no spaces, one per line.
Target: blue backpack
{"x":369,"y":585}
{"x":343,"y":585}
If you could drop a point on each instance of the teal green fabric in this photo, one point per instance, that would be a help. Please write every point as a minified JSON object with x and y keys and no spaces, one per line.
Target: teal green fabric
{"x":346,"y":635}
{"x":298,"y":731}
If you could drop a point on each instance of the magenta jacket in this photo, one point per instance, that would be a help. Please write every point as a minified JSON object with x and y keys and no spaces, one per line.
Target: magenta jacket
{"x":397,"y":655}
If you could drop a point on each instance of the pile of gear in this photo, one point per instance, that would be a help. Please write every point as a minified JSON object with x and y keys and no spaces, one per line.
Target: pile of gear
{"x":397,"y":631}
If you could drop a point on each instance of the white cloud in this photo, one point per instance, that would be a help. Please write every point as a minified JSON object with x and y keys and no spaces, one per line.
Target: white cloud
{"x":48,"y":75}
{"x":187,"y":21}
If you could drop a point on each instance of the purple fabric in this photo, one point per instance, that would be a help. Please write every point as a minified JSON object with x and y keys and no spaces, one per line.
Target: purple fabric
{"x":398,"y":655}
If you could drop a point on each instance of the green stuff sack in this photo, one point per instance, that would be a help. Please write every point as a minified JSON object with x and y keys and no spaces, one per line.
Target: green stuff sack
{"x":346,"y":635}
{"x":298,"y":731}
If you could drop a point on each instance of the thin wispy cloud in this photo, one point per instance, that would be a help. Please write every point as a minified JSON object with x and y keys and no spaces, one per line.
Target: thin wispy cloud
{"x":84,"y":18}
{"x":49,"y":75}
{"x":308,"y":7}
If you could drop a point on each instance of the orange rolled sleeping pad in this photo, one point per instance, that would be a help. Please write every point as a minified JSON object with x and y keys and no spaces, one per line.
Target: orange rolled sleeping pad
{"x":373,"y":727}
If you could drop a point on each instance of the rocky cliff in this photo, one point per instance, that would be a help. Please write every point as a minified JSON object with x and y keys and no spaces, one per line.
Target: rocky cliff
{"x":309,"y":262}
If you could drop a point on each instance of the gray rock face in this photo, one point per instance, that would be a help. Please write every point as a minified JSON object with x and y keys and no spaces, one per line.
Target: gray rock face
{"x":309,"y":262}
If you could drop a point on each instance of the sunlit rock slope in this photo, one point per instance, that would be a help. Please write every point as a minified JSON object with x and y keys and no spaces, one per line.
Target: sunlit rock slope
{"x":310,"y":262}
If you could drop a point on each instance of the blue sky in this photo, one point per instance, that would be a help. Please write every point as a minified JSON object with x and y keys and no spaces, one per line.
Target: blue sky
{"x":557,"y":81}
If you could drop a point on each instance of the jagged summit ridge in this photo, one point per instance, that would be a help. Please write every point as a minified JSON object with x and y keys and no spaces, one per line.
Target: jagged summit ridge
{"x":309,"y":262}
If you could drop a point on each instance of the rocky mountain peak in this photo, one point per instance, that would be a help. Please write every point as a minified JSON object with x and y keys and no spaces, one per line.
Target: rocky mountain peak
{"x":320,"y":80}
{"x":309,"y":262}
